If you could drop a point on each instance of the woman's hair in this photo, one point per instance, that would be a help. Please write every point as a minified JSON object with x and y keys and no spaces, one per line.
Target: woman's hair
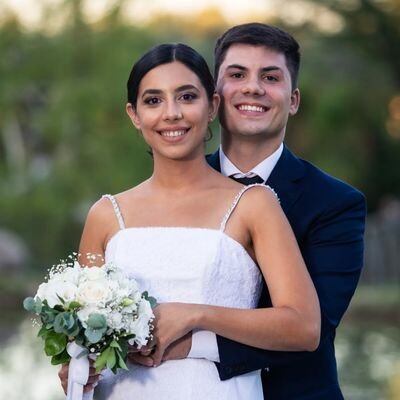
{"x":164,"y":54}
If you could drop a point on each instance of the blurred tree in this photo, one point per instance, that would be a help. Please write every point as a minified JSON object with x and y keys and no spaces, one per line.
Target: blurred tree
{"x":65,"y":139}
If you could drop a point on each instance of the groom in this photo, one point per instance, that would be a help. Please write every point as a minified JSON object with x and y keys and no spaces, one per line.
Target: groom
{"x":256,"y":69}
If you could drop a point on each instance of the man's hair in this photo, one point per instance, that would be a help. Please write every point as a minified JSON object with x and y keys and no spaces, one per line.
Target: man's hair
{"x":257,"y":34}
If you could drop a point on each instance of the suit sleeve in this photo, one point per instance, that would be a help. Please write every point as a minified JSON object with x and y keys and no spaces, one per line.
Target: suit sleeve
{"x":333,"y":252}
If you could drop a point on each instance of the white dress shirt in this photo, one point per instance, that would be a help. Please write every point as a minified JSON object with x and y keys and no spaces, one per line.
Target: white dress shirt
{"x":204,"y":343}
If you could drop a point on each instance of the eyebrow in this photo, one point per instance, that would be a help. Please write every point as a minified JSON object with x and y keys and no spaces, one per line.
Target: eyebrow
{"x":265,"y":69}
{"x":177,"y":90}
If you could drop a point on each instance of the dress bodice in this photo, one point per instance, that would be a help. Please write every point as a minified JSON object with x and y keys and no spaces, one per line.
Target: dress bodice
{"x":191,"y":265}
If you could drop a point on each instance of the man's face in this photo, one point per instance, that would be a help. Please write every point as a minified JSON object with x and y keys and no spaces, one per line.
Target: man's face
{"x":256,"y":92}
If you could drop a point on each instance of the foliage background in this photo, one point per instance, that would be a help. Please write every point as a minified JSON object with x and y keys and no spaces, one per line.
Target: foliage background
{"x":65,"y":139}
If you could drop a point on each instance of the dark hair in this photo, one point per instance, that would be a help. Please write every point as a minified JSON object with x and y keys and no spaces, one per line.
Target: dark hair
{"x":257,"y":34}
{"x":164,"y":54}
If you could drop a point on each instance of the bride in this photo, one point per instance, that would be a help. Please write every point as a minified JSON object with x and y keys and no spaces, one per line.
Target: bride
{"x":198,"y":241}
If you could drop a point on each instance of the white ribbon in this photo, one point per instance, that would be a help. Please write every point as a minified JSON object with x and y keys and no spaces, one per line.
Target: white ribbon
{"x":78,"y":374}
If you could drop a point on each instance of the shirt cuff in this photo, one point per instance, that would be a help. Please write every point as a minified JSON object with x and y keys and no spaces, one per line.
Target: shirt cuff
{"x":204,"y":345}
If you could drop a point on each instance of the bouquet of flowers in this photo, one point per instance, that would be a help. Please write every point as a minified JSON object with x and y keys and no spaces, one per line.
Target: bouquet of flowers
{"x":94,"y":311}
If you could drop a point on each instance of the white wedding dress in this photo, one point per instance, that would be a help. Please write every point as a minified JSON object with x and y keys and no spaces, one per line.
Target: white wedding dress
{"x":190,"y":265}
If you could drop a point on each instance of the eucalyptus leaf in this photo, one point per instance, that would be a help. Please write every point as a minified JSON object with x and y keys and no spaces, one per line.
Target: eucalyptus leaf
{"x":94,"y":335}
{"x":59,"y":323}
{"x":73,"y":331}
{"x":96,"y":321}
{"x":38,"y":306}
{"x":29,"y":304}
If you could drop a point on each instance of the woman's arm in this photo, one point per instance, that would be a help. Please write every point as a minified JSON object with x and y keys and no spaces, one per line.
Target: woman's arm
{"x":100,"y":225}
{"x":293,"y":323}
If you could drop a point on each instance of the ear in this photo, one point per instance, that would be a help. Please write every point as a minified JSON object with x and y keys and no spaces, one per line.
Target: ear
{"x":213,"y":107}
{"x":131,"y":111}
{"x":294,"y":101}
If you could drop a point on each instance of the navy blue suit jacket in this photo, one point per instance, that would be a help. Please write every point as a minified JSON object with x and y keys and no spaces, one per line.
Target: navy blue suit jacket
{"x":327,"y":217}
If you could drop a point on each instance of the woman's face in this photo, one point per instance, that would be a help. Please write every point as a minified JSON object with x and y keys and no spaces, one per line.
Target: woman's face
{"x":173,"y":111}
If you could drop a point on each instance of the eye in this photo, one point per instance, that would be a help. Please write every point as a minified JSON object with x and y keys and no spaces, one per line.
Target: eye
{"x":271,"y":78}
{"x":237,"y":75}
{"x":188,"y":97}
{"x":152,"y":101}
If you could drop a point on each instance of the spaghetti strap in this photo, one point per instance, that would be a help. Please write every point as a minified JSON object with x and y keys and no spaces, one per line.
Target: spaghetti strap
{"x":236,"y":201}
{"x":116,"y":210}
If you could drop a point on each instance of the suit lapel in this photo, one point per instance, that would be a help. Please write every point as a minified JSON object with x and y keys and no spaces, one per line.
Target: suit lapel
{"x":285,"y":179}
{"x":213,"y":160}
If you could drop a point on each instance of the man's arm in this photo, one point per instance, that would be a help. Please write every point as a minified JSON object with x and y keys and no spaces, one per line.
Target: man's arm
{"x":333,"y":253}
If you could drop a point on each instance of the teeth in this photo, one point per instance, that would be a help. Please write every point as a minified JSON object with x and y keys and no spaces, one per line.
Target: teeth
{"x":173,"y":133}
{"x":246,"y":107}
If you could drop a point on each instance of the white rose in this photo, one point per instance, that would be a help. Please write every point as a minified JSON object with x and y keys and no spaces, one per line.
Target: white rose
{"x":72,"y":274}
{"x":51,"y":290}
{"x":93,"y":273}
{"x":94,"y":292}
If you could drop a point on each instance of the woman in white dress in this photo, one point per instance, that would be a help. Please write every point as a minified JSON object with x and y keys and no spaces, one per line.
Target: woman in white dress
{"x":198,"y":241}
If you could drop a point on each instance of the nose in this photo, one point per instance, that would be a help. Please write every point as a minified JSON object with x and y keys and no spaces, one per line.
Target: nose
{"x":253,"y":86}
{"x":172,"y":111}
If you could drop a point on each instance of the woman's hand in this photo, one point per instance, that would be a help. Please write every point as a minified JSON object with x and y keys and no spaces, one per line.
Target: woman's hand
{"x":92,"y":381}
{"x":173,"y":321}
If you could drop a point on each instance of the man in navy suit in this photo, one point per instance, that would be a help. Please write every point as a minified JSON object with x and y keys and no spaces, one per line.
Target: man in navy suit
{"x":256,"y":69}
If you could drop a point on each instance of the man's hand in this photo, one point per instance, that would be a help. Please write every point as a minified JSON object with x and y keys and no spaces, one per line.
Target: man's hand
{"x":177,"y":350}
{"x":92,"y":381}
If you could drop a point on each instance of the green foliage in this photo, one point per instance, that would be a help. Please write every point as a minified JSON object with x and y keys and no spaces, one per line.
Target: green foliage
{"x":113,"y":356}
{"x":66,"y":139}
{"x":33,"y":305}
{"x":61,"y":358}
{"x":96,"y":327}
{"x":67,"y":323}
{"x":54,"y":343}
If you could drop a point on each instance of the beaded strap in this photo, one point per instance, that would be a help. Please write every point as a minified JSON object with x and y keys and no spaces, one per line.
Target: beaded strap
{"x":236,"y":201}
{"x":116,"y":210}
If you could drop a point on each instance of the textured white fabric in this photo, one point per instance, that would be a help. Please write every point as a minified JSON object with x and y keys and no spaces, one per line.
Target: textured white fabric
{"x":204,"y":345}
{"x":191,"y":265}
{"x":263,"y":169}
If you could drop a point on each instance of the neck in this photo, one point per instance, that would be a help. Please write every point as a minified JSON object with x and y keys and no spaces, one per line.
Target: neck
{"x":179,"y":175}
{"x":245,"y":153}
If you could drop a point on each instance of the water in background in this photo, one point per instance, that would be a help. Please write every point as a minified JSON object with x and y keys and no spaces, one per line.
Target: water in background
{"x":368,"y":360}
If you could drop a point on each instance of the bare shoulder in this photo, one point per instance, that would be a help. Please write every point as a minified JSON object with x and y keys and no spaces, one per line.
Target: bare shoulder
{"x":101,"y":212}
{"x":260,"y":200}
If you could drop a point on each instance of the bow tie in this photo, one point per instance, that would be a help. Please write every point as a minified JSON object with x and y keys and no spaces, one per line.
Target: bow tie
{"x":248,"y":181}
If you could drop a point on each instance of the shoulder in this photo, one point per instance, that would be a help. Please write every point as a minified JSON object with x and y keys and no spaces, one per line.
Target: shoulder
{"x":327,"y":189}
{"x":259,"y":200}
{"x":101,"y":216}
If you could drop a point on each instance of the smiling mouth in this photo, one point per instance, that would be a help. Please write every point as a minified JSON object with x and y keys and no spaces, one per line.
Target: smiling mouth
{"x":174,"y":133}
{"x":252,"y":108}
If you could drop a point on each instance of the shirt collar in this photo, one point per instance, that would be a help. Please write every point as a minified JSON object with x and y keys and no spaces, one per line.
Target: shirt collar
{"x":263,"y":169}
